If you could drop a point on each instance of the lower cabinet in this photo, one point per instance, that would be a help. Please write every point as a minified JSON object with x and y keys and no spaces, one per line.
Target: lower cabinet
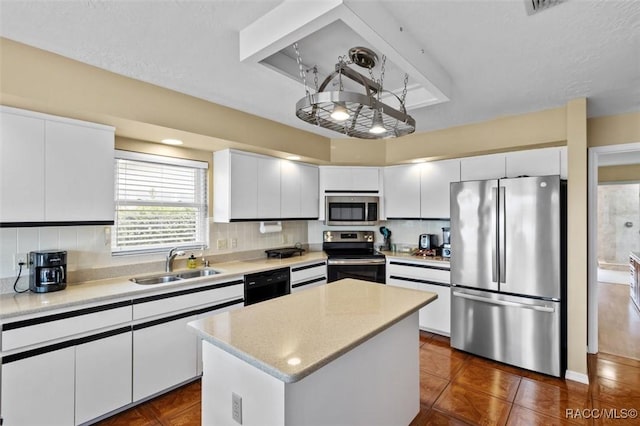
{"x":164,"y":355}
{"x":103,"y":376}
{"x":39,"y":389}
{"x":86,"y":378}
{"x":308,"y":276}
{"x":436,"y":316}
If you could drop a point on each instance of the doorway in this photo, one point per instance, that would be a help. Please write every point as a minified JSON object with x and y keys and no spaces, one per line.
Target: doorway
{"x":614,"y":222}
{"x":618,"y":319}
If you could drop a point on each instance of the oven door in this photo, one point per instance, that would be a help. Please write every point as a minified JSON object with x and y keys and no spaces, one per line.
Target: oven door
{"x":360,"y":269}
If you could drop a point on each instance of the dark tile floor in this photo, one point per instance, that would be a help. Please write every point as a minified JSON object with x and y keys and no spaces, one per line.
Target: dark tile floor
{"x":457,"y":389}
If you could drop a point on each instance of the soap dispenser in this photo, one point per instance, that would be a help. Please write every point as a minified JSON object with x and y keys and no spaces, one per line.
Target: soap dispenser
{"x":191,"y":262}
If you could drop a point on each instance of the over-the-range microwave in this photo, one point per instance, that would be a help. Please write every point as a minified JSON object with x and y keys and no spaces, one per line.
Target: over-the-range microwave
{"x":351,"y":210}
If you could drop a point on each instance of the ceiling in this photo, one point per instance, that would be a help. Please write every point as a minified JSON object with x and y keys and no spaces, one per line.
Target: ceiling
{"x":489,"y":58}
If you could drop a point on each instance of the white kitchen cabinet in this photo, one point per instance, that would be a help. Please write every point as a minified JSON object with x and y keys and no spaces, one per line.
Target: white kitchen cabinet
{"x":39,"y":389}
{"x":298,"y":190}
{"x":255,"y":187}
{"x":102,"y":376}
{"x":435,"y":180}
{"x":308,"y":276}
{"x":268,"y":188}
{"x":425,"y":276}
{"x":54,"y":169}
{"x":534,"y":162}
{"x":21,"y":168}
{"x":164,"y":355}
{"x":483,"y":167}
{"x":79,"y":173}
{"x":349,"y":179}
{"x":436,"y":316}
{"x":402,"y":191}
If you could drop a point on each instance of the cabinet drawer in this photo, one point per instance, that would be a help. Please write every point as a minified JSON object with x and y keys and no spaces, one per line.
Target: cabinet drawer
{"x":424,"y":272}
{"x":303,"y":273}
{"x":56,"y":326}
{"x":185,"y":299}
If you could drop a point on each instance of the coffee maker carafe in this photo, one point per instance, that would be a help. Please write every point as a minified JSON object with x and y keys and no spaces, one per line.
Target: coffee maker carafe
{"x":48,"y":271}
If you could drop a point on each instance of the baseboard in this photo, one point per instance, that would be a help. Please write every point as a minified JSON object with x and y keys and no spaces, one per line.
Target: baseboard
{"x":576,"y":377}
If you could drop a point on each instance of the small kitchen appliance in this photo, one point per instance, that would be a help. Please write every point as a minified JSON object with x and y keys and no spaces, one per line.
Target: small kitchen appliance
{"x":48,"y":271}
{"x":446,"y":242}
{"x":427,"y":242}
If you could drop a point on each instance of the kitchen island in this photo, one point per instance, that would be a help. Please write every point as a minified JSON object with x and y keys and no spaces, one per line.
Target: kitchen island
{"x":343,"y":353}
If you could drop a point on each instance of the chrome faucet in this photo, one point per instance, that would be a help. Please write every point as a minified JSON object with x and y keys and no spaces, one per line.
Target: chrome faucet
{"x":168,"y":266}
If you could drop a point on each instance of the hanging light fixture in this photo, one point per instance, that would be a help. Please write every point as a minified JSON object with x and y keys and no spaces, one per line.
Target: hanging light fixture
{"x":360,"y":115}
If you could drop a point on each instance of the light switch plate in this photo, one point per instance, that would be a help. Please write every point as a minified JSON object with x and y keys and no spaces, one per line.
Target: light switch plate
{"x":236,"y":407}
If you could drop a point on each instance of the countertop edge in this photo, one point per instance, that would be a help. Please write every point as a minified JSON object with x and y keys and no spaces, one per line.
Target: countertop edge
{"x":292,"y":378}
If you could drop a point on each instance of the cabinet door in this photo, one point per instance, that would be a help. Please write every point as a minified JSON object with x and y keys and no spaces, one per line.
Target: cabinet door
{"x":399,"y":282}
{"x":39,"y":390}
{"x":268,"y":188}
{"x":365,"y":178}
{"x":103,"y":376}
{"x":436,"y":316}
{"x":435,"y":180}
{"x":534,"y":162}
{"x":483,"y":167}
{"x":79,"y":173}
{"x":243,"y":186}
{"x":21,"y":168}
{"x":290,"y":190}
{"x":164,"y":355}
{"x":309,"y":187}
{"x":335,"y":178}
{"x":402,"y":191}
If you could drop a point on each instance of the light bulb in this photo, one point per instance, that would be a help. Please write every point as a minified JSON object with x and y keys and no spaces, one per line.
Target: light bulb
{"x":340,"y":112}
{"x":377,"y":126}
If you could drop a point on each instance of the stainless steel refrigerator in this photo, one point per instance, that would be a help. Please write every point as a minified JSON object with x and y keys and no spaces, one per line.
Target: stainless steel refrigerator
{"x":508,"y":271}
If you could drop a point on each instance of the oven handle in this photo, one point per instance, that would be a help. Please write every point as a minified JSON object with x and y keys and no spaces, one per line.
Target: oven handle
{"x":356,"y":262}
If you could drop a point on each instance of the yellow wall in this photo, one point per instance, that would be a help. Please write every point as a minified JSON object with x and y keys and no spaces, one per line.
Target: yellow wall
{"x":626,"y":173}
{"x":613,"y":130}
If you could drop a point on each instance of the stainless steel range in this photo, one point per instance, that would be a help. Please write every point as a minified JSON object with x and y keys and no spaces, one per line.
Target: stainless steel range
{"x":350,"y":254}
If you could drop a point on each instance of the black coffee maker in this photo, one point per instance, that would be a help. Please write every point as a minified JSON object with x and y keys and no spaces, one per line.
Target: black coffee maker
{"x":48,"y":271}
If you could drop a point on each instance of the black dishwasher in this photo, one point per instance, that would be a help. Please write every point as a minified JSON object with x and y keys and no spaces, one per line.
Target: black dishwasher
{"x":266,"y":285}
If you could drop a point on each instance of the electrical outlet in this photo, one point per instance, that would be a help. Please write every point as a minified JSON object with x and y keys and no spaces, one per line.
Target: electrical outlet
{"x":234,"y":242}
{"x":20,"y":258}
{"x":236,"y":407}
{"x":222,"y":244}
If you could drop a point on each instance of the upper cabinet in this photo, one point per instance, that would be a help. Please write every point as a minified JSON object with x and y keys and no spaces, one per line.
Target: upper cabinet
{"x":402,"y":191}
{"x":335,"y":179}
{"x":54,"y":170}
{"x":251,"y":187}
{"x":532,"y":162}
{"x":419,"y":190}
{"x":483,"y":167}
{"x":435,"y":180}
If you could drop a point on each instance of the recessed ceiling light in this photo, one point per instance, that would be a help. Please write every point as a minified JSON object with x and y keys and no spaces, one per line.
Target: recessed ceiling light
{"x":293,"y":157}
{"x":172,"y":141}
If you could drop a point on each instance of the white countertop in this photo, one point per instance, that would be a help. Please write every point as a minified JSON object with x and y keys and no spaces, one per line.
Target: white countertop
{"x":292,"y":336}
{"x":105,"y":291}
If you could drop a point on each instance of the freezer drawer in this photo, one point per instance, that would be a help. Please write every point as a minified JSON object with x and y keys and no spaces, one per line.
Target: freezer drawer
{"x":515,"y":330}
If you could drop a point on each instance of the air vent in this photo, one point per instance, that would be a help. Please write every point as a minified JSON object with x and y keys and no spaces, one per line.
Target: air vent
{"x":535,"y":6}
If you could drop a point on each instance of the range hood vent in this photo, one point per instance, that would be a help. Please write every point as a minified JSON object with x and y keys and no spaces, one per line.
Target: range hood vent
{"x":535,"y":6}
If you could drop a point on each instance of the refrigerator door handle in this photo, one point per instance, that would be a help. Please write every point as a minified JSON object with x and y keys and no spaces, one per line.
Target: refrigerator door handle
{"x":504,"y":302}
{"x":502,"y":237}
{"x":494,"y":236}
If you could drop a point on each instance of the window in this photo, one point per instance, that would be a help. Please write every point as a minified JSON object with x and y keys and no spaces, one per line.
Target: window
{"x":160,"y":202}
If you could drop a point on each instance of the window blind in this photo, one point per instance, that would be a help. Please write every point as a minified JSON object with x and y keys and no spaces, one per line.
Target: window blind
{"x":160,"y":202}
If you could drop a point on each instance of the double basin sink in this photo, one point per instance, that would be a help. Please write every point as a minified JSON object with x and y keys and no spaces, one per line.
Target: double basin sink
{"x":174,"y":276}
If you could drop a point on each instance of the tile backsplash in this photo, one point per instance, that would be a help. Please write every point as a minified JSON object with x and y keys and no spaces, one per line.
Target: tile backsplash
{"x":89,"y":247}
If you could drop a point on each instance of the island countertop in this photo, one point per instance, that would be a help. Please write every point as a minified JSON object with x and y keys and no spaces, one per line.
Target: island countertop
{"x":292,"y":336}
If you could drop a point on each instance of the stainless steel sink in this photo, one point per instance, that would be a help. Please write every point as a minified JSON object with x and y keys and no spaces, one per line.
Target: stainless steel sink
{"x":160,"y":279}
{"x":176,"y":276}
{"x":197,"y":273}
